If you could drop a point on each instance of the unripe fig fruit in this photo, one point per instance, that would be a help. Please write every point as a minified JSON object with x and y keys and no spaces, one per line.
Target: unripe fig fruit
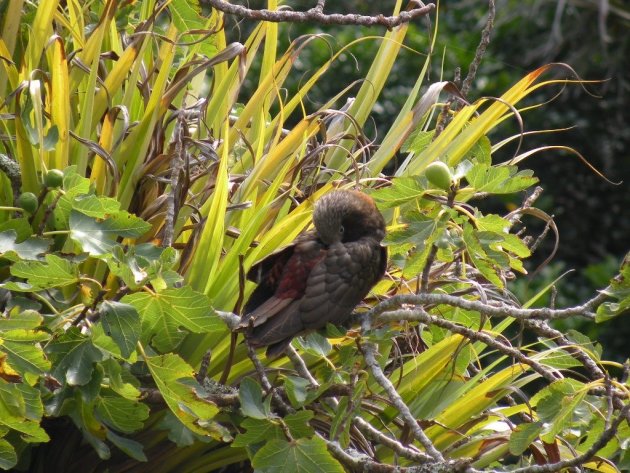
{"x":439,"y":175}
{"x":54,"y":178}
{"x":28,"y":202}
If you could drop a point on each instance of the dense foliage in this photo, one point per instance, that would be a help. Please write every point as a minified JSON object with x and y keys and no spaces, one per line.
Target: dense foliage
{"x":139,"y":181}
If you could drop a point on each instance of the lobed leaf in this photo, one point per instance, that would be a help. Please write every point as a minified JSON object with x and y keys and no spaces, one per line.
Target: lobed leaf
{"x":121,"y":322}
{"x":174,"y":379}
{"x":52,"y":272}
{"x":302,"y":455}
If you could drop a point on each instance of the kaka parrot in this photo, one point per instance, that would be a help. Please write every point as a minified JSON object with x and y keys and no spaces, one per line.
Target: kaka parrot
{"x":320,"y":277}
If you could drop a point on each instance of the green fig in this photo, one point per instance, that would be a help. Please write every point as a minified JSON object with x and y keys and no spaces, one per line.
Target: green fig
{"x":54,"y":178}
{"x":28,"y":202}
{"x":439,"y":175}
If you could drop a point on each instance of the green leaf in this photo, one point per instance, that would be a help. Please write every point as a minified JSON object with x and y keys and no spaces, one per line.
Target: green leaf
{"x":296,"y":389}
{"x":523,"y":436}
{"x":8,"y":457}
{"x":73,"y":357}
{"x":97,"y":237}
{"x":16,"y":415}
{"x":127,"y":267}
{"x":402,"y":190}
{"x":21,"y":227}
{"x":594,"y":350}
{"x":30,"y":431}
{"x":164,"y":313}
{"x":121,"y":382}
{"x":51,"y":138}
{"x":422,"y":232}
{"x":74,"y":185}
{"x":82,"y":414}
{"x":145,"y":261}
{"x":418,"y":229}
{"x":121,"y":414}
{"x":298,"y":424}
{"x":257,"y":431}
{"x":481,"y":151}
{"x":11,"y":399}
{"x":162,"y":332}
{"x":95,"y":206}
{"x":316,"y":344}
{"x":174,"y":379}
{"x":491,"y":223}
{"x":29,"y":249}
{"x":515,"y":245}
{"x":26,"y":320}
{"x":556,"y":405}
{"x":24,"y":354}
{"x":107,"y":345}
{"x":54,"y":272}
{"x":187,"y":18}
{"x":502,"y":179}
{"x":33,"y":407}
{"x":339,"y":428}
{"x":418,"y":140}
{"x":132,"y":448}
{"x":300,"y":456}
{"x":563,"y":416}
{"x":478,"y":256}
{"x":177,"y":432}
{"x":250,"y":396}
{"x":121,"y":322}
{"x":498,"y":244}
{"x":619,"y":289}
{"x":90,"y":390}
{"x":610,"y":310}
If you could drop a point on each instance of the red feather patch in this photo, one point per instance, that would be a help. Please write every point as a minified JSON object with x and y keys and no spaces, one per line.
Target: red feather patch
{"x":295,"y":275}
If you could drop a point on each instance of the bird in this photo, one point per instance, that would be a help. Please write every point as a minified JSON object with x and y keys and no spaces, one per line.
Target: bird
{"x":320,"y":277}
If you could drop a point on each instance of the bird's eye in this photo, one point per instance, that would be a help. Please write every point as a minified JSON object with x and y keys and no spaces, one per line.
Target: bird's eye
{"x":341,"y":229}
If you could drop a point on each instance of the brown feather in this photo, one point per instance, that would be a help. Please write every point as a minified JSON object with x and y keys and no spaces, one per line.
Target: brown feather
{"x":321,"y":277}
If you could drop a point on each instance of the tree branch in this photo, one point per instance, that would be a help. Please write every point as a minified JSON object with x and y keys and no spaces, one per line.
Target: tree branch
{"x":481,"y":49}
{"x":491,"y":309}
{"x":369,"y":354}
{"x":603,"y":439}
{"x":420,"y":315}
{"x":372,"y":432}
{"x":316,"y":15}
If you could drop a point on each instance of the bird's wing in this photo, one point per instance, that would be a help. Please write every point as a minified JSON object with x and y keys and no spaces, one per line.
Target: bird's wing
{"x":266,"y":274}
{"x":282,"y":279}
{"x":341,"y":282}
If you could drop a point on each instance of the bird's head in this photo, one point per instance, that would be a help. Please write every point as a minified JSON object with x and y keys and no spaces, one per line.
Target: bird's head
{"x":347,"y":215}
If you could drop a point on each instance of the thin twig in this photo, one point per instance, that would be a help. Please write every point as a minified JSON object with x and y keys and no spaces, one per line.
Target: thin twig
{"x":527,"y":203}
{"x":420,"y":315}
{"x":481,"y":49}
{"x":48,"y":212}
{"x":540,"y":327}
{"x":172,"y":201}
{"x":426,"y":271}
{"x":369,"y":354}
{"x":315,"y":15}
{"x":264,"y":380}
{"x":445,"y":116}
{"x":300,"y":366}
{"x":496,"y":309}
{"x":203,"y":367}
{"x":372,"y":432}
{"x":534,"y":246}
{"x":359,"y":462}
